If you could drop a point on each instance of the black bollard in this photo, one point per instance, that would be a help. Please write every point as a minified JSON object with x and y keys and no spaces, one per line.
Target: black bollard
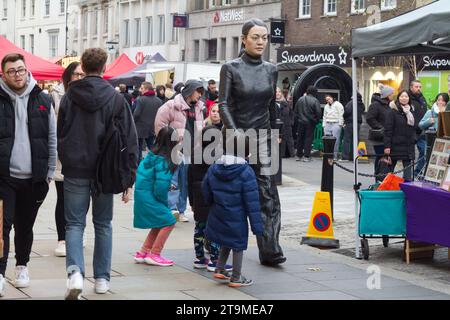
{"x":328,"y":168}
{"x":431,"y":136}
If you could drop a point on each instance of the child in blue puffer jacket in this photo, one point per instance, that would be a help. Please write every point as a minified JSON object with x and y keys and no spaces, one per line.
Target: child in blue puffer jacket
{"x":230,"y":188}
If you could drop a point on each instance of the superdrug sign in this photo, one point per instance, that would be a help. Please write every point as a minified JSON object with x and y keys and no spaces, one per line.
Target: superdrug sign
{"x":310,"y":56}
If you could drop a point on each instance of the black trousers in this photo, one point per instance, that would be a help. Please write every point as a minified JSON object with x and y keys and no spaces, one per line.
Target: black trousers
{"x":21,"y":202}
{"x":59,"y":211}
{"x":268,"y":243}
{"x":304,"y":139}
{"x":347,"y":153}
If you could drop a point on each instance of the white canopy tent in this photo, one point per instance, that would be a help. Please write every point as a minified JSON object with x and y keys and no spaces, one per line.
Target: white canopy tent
{"x":425,"y":30}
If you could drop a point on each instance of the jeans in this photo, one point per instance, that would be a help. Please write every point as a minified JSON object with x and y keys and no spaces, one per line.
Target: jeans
{"x":21,"y":202}
{"x":421,"y":146}
{"x":178,"y":198}
{"x":334,"y":129}
{"x":305,"y":139}
{"x":77,"y":193}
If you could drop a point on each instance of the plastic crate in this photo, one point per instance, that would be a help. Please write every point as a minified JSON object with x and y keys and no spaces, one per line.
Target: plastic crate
{"x":382,"y":213}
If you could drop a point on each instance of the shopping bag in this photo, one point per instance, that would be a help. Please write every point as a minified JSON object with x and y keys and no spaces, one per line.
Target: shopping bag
{"x":383,"y":168}
{"x":391,"y":182}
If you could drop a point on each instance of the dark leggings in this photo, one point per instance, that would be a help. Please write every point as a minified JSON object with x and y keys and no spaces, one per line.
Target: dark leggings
{"x":59,"y":211}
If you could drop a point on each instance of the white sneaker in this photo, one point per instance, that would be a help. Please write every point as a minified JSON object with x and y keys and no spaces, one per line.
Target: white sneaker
{"x":183,"y":218}
{"x":22,"y":279}
{"x":60,"y":250}
{"x":74,"y":286}
{"x":2,"y":286}
{"x":101,"y":286}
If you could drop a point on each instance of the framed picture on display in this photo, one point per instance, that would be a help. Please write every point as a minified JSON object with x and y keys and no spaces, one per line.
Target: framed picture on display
{"x":445,"y":183}
{"x":439,"y":161}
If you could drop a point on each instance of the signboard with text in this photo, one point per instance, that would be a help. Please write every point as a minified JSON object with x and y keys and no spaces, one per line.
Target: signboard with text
{"x":225,"y":16}
{"x":310,"y":56}
{"x":277,"y":33}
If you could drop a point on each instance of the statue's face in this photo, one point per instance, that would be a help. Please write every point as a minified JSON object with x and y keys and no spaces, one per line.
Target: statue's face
{"x":256,"y":41}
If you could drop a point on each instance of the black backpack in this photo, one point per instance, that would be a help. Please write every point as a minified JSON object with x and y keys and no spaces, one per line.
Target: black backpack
{"x":113,"y":172}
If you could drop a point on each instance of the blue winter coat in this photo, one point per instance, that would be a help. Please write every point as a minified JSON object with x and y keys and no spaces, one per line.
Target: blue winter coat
{"x":232,"y":192}
{"x":151,"y":208}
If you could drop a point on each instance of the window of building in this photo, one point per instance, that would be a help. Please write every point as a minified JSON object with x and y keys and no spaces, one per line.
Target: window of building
{"x":330,"y":7}
{"x":223,"y":49}
{"x":358,"y":6}
{"x":304,"y":9}
{"x":95,"y":22}
{"x":226,"y":2}
{"x":162,"y":29}
{"x":199,"y":5}
{"x":175,"y":32}
{"x":236,"y":48}
{"x":53,"y":37}
{"x":62,"y":6}
{"x":388,"y":4}
{"x":32,"y":43}
{"x":5,"y":9}
{"x":105,"y":19}
{"x":33,"y":8}
{"x":126,"y":30}
{"x":149,"y":30}
{"x":196,"y":51}
{"x":137,"y":40}
{"x":47,"y":7}
{"x":22,"y":42}
{"x":212,"y":49}
{"x":85,"y":22}
{"x":24,"y":8}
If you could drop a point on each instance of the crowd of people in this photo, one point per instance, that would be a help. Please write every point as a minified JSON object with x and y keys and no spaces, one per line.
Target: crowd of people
{"x":67,"y":135}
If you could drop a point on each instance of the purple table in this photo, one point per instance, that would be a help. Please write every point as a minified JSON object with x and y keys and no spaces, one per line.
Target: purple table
{"x":427,"y":213}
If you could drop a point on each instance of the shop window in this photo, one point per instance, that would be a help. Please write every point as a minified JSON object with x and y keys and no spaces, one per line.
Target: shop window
{"x":212,"y":49}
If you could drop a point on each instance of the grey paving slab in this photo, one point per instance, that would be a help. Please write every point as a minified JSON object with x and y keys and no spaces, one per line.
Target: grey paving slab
{"x":141,"y":295}
{"x":318,"y":295}
{"x":12,"y":293}
{"x":134,"y":269}
{"x":52,"y":288}
{"x":219,"y":292}
{"x":339,"y":275}
{"x":360,"y":283}
{"x":408,"y":291}
{"x":283,"y":287}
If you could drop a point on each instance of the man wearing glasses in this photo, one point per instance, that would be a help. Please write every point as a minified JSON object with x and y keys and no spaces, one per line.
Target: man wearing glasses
{"x":27,"y":159}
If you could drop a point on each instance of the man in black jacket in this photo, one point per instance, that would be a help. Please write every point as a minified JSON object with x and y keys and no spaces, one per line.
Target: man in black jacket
{"x":147,"y":106}
{"x":85,"y":113}
{"x":347,"y":153}
{"x":308,"y":112}
{"x":126,"y":95}
{"x":419,"y":105}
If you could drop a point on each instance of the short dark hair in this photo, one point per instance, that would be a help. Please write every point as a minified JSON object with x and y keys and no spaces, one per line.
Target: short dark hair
{"x":312,"y":91}
{"x":123,"y":87}
{"x":67,"y":74}
{"x":444,"y":96}
{"x":414,"y":81}
{"x":93,"y":60}
{"x":212,"y":81}
{"x":12,"y":57}
{"x":147,"y":85}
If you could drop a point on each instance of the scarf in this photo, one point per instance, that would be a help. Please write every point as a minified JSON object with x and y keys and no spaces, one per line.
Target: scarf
{"x":409,"y":115}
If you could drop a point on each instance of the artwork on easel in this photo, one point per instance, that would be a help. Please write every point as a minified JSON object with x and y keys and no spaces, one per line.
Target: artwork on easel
{"x":439,"y":161}
{"x":445,"y":182}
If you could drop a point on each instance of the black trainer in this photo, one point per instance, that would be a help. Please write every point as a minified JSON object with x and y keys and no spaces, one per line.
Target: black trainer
{"x":242,"y":282}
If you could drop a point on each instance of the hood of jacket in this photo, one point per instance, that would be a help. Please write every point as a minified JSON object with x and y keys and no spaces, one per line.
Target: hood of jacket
{"x":229,"y":167}
{"x":91,"y":93}
{"x":31,"y":83}
{"x":378,"y":99}
{"x":151,"y":160}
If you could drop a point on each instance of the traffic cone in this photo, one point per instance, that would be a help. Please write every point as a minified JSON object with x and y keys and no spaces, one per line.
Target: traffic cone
{"x":320,"y":230}
{"x":362,"y":150}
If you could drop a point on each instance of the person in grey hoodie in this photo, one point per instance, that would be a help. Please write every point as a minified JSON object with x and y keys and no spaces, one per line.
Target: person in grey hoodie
{"x":27,"y":159}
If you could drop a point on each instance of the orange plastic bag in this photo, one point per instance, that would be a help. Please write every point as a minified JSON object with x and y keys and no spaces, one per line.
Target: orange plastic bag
{"x":390,"y":183}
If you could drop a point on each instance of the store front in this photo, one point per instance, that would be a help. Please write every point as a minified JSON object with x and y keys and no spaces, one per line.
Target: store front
{"x":434,"y":75}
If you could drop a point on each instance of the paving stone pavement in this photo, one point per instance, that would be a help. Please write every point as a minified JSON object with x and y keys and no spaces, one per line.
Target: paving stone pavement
{"x":308,"y":273}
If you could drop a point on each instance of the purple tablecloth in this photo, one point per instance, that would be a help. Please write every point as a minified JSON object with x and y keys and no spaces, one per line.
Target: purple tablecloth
{"x":427,"y":213}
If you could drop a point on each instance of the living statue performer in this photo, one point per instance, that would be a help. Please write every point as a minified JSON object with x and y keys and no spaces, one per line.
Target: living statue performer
{"x":247,"y":101}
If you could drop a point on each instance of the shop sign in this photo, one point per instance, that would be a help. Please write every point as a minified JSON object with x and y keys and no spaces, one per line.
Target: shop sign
{"x":277,"y":32}
{"x":310,"y":56}
{"x":233,"y":15}
{"x":430,"y":62}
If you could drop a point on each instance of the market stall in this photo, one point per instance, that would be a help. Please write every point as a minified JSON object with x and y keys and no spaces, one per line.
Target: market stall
{"x":41,"y":69}
{"x":120,"y":66}
{"x":425,"y":30}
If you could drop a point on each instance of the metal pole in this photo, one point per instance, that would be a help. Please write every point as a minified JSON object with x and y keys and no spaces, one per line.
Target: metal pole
{"x":67,"y":28}
{"x":355,"y":154}
{"x":328,"y":168}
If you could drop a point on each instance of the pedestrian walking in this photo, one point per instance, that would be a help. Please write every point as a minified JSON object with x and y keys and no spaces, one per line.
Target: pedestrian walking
{"x":333,"y":121}
{"x":72,"y":73}
{"x":27,"y":160}
{"x":286,"y":115}
{"x":147,"y":106}
{"x":376,"y":117}
{"x":124,"y":91}
{"x":400,"y":133}
{"x":347,"y":153}
{"x":151,"y":210}
{"x":183,"y":113}
{"x":85,"y":115}
{"x":308,"y":114}
{"x":430,"y":119}
{"x":420,"y":107}
{"x":230,"y":188}
{"x":161,"y":93}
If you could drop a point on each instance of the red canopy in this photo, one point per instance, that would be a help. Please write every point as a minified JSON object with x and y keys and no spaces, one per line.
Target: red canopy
{"x":40,"y":68}
{"x":121,"y":65}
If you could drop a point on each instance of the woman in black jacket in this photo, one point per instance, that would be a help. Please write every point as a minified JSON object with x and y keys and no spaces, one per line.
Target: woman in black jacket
{"x":376,"y":117}
{"x":400,"y":133}
{"x":286,"y":115}
{"x":347,"y":153}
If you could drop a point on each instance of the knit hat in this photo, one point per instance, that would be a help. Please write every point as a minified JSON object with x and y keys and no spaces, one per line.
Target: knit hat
{"x":190,"y":87}
{"x":386,"y":91}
